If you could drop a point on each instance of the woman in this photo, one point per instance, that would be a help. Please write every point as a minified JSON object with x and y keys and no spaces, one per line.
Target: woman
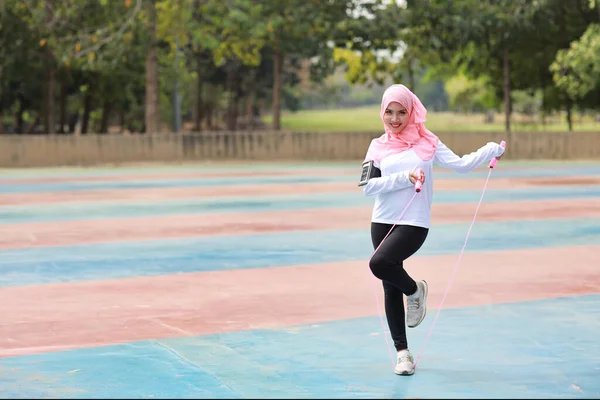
{"x":389,"y":174}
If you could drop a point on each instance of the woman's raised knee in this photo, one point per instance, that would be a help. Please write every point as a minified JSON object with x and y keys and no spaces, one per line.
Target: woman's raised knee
{"x":378,"y":266}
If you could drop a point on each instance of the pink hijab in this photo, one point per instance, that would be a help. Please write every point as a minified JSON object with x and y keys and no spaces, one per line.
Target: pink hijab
{"x":414,"y":135}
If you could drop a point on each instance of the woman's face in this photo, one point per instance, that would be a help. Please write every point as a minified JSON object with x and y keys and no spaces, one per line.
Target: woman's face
{"x":395,"y":117}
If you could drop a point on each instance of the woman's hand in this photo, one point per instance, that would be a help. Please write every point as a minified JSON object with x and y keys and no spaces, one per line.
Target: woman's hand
{"x":413,"y":176}
{"x":501,"y":151}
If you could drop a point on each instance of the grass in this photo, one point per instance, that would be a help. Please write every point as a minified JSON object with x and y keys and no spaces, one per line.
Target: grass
{"x":363,"y":119}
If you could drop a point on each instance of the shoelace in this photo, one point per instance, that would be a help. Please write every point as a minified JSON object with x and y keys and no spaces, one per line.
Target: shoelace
{"x":405,"y":359}
{"x":414,"y":304}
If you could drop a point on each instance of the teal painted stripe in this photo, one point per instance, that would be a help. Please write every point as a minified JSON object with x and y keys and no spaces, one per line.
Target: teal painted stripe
{"x":541,"y":349}
{"x":244,"y":166}
{"x":144,"y":370}
{"x":167,"y":183}
{"x":115,"y":210}
{"x":262,"y":180}
{"x":160,"y":257}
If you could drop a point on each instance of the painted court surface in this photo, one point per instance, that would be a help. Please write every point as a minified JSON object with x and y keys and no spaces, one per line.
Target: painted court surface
{"x":251,"y":281}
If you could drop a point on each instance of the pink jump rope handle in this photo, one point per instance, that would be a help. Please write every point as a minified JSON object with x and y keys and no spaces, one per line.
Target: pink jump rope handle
{"x":418,"y":182}
{"x":495,"y":159}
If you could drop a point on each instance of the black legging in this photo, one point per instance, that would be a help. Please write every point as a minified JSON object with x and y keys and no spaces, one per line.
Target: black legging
{"x":387,"y":265}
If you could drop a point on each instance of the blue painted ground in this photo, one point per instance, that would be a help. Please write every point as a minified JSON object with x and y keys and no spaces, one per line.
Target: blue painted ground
{"x":160,"y":257}
{"x":533,"y":166}
{"x":74,"y":211}
{"x":538,"y":349}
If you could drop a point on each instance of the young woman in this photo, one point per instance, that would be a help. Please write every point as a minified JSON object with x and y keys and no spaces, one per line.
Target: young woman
{"x":389,"y":174}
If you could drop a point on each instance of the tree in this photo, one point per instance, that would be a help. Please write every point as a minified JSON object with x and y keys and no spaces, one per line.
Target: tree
{"x":367,"y":42}
{"x":576,"y":70}
{"x":214,"y":37}
{"x":20,"y":60}
{"x":73,"y":33}
{"x":301,"y":29}
{"x":511,"y":42}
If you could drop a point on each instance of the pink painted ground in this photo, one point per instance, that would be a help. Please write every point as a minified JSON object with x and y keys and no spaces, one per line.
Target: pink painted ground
{"x":120,"y":195}
{"x":193,"y":175}
{"x":207,"y":174}
{"x":180,"y":226}
{"x":59,"y":316}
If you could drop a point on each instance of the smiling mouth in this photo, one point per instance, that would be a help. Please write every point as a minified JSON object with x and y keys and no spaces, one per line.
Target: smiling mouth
{"x":395,"y":125}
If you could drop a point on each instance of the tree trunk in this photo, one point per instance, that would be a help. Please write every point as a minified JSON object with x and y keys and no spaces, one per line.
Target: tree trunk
{"x":19,"y":116}
{"x":232,"y":104}
{"x":570,"y":115}
{"x":260,"y":109}
{"x":277,"y":71}
{"x":63,"y":105}
{"x":209,"y":114}
{"x":176,"y":107}
{"x":87,"y":110}
{"x":73,"y":119}
{"x":250,"y":110}
{"x":507,"y":105}
{"x":232,"y":112}
{"x":122,"y":120}
{"x":235,"y":108}
{"x":199,"y":99}
{"x":151,"y":115}
{"x":49,"y":117}
{"x":211,"y":107}
{"x":411,"y":75}
{"x":106,"y":109}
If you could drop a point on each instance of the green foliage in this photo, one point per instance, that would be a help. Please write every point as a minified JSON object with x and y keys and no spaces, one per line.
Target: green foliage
{"x":366,"y":42}
{"x":366,"y":66}
{"x":577,"y":70}
{"x":231,"y":30}
{"x":20,"y":58}
{"x":473,"y":36}
{"x":470,"y":94}
{"x":84,"y":33}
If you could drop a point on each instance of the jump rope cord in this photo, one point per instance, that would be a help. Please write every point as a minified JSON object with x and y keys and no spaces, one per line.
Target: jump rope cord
{"x":491,"y":166}
{"x":453,"y":271}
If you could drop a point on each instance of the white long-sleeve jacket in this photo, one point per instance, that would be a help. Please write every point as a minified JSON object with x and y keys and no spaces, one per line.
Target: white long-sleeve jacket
{"x":393,"y":190}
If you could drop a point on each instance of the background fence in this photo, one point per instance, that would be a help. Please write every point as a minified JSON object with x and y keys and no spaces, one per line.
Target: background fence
{"x":56,"y":150}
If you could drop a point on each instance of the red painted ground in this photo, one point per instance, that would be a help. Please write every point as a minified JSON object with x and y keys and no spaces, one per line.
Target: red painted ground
{"x":101,"y":195}
{"x":215,"y":173}
{"x":179,"y":226}
{"x":57,"y":316}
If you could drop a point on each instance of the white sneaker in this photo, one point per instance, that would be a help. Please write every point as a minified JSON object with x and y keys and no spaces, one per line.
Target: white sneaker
{"x":405,"y":364}
{"x":417,"y":305}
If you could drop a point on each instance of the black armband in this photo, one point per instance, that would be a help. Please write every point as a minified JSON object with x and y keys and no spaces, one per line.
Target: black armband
{"x":369,"y":170}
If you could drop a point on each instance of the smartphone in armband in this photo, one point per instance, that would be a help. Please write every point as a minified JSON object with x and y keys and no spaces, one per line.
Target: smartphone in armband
{"x":369,"y":170}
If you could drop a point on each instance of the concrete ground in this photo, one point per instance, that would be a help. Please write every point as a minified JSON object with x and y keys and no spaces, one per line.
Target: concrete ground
{"x":252,"y":281}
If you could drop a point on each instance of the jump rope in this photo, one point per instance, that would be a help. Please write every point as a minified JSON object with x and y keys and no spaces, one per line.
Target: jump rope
{"x":418,"y":188}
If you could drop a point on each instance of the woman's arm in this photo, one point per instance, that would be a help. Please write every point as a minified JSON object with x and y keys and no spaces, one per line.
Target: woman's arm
{"x":448,"y":159}
{"x":388,"y":183}
{"x":384,"y":184}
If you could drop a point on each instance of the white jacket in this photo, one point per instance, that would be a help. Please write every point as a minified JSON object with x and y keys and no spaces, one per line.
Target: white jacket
{"x":393,"y":190}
